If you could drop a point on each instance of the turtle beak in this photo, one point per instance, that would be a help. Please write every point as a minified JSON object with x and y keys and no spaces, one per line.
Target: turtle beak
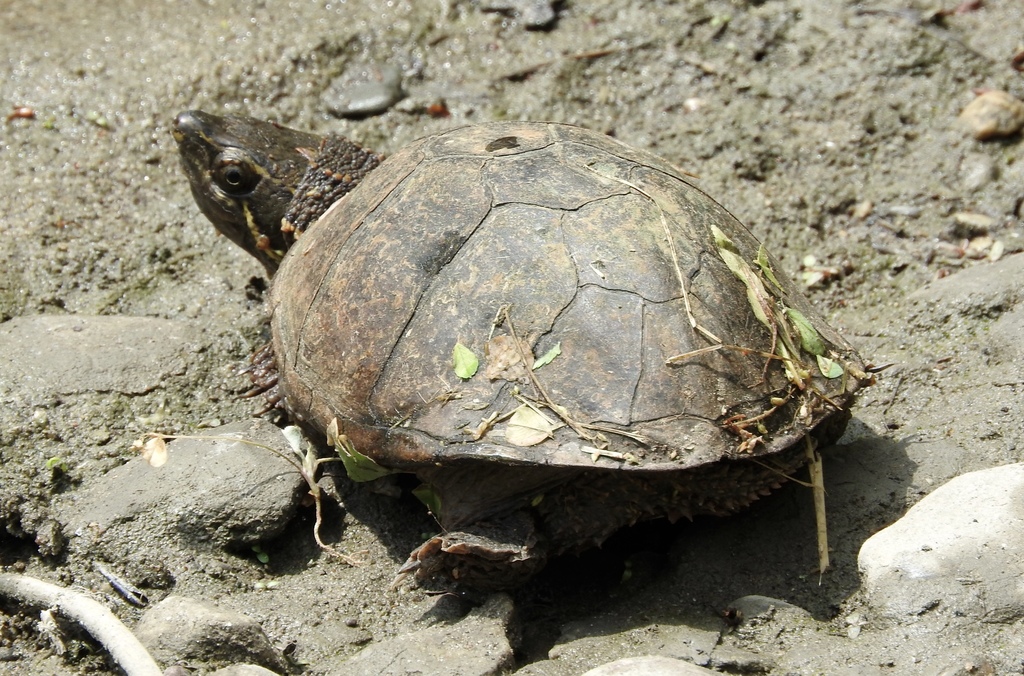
{"x":186,"y":125}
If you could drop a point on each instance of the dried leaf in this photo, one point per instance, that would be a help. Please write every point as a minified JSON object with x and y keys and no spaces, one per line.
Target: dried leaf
{"x":155,"y":452}
{"x":477,"y":433}
{"x":794,"y":373}
{"x":809,"y":338}
{"x":464,"y":361}
{"x":528,"y":427}
{"x":548,"y":356}
{"x":814,"y":468}
{"x":503,"y":359}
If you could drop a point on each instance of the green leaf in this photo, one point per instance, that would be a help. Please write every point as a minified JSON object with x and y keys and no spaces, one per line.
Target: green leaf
{"x":548,"y":356}
{"x":261,"y":555}
{"x":429,"y":497}
{"x":828,"y":367}
{"x":464,"y":361}
{"x":358,"y":467}
{"x":766,"y":267}
{"x":57,"y":461}
{"x":809,"y":338}
{"x":723,"y":243}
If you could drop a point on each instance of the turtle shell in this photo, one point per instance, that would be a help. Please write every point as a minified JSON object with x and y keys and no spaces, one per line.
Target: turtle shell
{"x":570,"y":239}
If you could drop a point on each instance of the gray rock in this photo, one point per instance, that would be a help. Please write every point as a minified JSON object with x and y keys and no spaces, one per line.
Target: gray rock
{"x":475,"y":646}
{"x":957,"y":550}
{"x":227,"y":492}
{"x":757,"y":606}
{"x":1006,"y":333}
{"x":180,"y":629}
{"x":68,"y":354}
{"x":363,"y":90}
{"x":985,"y":290}
{"x":649,"y":665}
{"x":589,"y":643}
{"x":990,"y":292}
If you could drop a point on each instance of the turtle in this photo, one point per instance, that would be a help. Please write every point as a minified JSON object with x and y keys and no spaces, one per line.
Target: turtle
{"x":558,"y":334}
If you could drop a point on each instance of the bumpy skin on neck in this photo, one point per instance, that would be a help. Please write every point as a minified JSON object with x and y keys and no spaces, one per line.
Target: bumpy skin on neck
{"x":245,"y":172}
{"x":337,"y":168}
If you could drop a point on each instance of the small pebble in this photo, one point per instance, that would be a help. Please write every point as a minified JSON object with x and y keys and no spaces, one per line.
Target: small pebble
{"x":863,"y":209}
{"x":978,"y":170}
{"x":534,"y":14}
{"x":994,"y":114}
{"x":904,"y":210}
{"x":975,"y":223}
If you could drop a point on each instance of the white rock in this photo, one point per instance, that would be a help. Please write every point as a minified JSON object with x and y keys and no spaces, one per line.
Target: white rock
{"x":958,"y":550}
{"x":649,"y":665}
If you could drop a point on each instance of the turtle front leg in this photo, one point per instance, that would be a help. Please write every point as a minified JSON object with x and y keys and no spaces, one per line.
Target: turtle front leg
{"x":262,"y":370}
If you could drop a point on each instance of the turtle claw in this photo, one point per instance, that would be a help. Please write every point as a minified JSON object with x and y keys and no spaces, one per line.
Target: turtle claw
{"x":407,"y":567}
{"x":403,"y":574}
{"x":262,"y":371}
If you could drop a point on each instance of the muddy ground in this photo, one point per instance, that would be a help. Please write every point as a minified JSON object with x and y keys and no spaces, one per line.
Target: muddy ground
{"x":829,"y":128}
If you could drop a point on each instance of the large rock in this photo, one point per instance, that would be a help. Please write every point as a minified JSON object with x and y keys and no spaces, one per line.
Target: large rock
{"x":223,"y":489}
{"x":474,"y":646}
{"x":992,"y":292}
{"x":68,"y":354}
{"x":185,"y":630}
{"x":958,"y":550}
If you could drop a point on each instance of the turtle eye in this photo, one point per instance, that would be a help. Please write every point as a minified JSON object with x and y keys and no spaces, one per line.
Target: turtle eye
{"x":235,"y":178}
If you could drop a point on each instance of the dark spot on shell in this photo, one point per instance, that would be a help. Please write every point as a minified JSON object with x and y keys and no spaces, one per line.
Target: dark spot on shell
{"x":447,"y":246}
{"x":503,"y":143}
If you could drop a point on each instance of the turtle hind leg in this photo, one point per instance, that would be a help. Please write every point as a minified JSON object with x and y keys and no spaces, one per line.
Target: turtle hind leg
{"x":497,"y":554}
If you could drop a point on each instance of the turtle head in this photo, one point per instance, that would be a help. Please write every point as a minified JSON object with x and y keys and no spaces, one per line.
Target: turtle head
{"x":243,"y":173}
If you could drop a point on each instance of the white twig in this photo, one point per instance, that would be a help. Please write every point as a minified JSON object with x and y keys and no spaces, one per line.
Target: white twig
{"x":92,"y":615}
